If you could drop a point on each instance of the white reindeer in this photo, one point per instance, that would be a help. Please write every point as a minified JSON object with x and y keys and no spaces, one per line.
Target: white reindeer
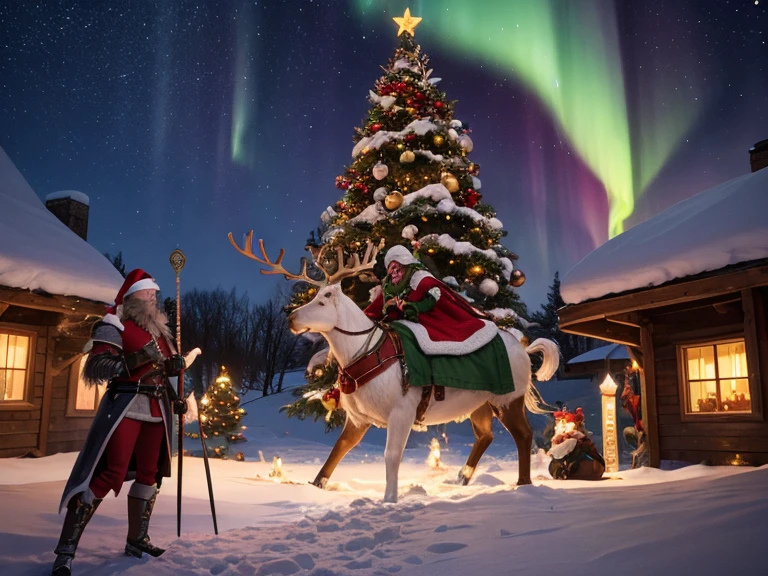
{"x":381,"y":402}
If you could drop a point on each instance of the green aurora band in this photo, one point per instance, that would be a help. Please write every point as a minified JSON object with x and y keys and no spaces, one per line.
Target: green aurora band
{"x":244,"y":97}
{"x":567,"y":53}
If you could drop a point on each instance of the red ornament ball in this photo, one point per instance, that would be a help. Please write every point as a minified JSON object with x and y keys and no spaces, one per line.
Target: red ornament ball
{"x":375,"y":127}
{"x":438,"y":104}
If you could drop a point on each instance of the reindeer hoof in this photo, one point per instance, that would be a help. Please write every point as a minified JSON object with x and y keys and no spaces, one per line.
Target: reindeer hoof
{"x":320,"y":482}
{"x":524,"y":481}
{"x":465,"y":475}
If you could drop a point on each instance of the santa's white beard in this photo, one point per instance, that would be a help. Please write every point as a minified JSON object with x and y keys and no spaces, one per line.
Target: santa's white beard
{"x":148,"y":315}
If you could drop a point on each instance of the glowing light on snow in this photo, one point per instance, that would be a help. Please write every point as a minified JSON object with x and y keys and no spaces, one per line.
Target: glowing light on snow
{"x":570,"y":59}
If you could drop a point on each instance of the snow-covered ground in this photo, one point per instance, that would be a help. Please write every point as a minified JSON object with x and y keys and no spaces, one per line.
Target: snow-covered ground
{"x":692,"y":520}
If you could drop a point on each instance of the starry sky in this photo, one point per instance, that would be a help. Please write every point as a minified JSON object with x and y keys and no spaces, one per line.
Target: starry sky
{"x":185,"y":120}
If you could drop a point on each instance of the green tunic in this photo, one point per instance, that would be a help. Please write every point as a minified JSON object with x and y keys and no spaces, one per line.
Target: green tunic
{"x":485,"y":369}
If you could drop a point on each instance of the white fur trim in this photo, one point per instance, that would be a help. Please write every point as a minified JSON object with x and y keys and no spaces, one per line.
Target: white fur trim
{"x":374,"y":292}
{"x":399,"y":254}
{"x":114,"y":321}
{"x":435,"y":293}
{"x":471,"y":344}
{"x":418,"y":276}
{"x":145,"y":284}
{"x":562,"y":450}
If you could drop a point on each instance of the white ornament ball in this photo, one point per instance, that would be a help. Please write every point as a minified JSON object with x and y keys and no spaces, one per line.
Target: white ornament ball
{"x":452,"y":134}
{"x":466,"y":143}
{"x":489,"y":287}
{"x":476,"y":184}
{"x":380,"y":194}
{"x":380,"y":171}
{"x":456,"y":124}
{"x":407,"y":157}
{"x":410,"y":231}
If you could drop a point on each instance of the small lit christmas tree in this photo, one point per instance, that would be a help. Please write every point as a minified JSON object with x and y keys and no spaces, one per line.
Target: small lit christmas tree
{"x":221,"y":412}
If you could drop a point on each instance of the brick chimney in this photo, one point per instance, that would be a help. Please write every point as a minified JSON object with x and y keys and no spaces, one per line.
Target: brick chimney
{"x":71,"y":207}
{"x":758,"y":155}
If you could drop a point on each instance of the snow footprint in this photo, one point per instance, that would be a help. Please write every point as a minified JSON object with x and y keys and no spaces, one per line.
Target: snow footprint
{"x":445,"y":547}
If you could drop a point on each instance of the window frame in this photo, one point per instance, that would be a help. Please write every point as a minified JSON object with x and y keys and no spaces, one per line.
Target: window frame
{"x":28,"y":401}
{"x":74,"y":381}
{"x":753,"y":379}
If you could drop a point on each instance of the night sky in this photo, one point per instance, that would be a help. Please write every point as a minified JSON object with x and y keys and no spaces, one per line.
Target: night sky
{"x":183,"y":121}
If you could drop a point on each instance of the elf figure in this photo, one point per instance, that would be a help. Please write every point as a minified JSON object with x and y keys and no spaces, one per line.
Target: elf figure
{"x":574,"y":455}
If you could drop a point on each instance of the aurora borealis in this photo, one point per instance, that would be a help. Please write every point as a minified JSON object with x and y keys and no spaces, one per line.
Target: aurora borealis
{"x":186,"y":120}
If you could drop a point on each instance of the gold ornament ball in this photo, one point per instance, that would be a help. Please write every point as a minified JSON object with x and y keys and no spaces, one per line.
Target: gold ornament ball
{"x":450,"y":182}
{"x":394,"y":200}
{"x":518,"y":278}
{"x":438,"y":139}
{"x":411,"y":110}
{"x":407,"y":157}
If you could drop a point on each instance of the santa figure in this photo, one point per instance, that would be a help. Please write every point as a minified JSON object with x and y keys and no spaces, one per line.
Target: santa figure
{"x":130,"y":437}
{"x":574,"y":455}
{"x":446,"y":341}
{"x":442,"y":321}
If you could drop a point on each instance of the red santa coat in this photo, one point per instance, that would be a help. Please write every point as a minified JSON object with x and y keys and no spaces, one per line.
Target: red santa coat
{"x":113,"y":408}
{"x":450,"y":327}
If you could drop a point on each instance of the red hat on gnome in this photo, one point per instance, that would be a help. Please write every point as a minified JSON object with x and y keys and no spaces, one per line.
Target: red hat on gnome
{"x":135,"y":280}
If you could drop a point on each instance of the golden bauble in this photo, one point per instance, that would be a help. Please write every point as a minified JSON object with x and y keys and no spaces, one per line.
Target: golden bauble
{"x":394,"y":200}
{"x":407,"y":157}
{"x":450,"y":182}
{"x":411,"y":110}
{"x":518,"y":278}
{"x":438,"y":139}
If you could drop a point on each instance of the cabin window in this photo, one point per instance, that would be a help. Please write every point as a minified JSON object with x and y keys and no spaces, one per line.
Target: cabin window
{"x":84,"y":397}
{"x":716,"y":378}
{"x":15,"y":353}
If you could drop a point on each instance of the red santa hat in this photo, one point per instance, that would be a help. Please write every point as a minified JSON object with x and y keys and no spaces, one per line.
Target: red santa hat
{"x":135,"y":280}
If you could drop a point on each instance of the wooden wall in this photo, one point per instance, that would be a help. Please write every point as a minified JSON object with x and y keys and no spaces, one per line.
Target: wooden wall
{"x":66,"y":433}
{"x":44,"y":427}
{"x":20,"y":426}
{"x":716,"y":441}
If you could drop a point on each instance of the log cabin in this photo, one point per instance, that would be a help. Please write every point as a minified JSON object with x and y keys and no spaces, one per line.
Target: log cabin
{"x":53,"y":287}
{"x":687,"y":292}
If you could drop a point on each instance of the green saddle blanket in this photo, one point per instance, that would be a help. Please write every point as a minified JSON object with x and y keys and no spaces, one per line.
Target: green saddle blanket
{"x":484,"y":369}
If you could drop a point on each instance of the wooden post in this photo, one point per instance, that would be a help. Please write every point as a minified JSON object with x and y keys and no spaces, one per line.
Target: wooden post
{"x":45,"y":413}
{"x":648,"y":398}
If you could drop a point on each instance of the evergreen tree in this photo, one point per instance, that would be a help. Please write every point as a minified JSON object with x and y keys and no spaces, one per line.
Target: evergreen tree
{"x":221,"y":413}
{"x":117,"y":262}
{"x":412,"y":183}
{"x":549,"y":322}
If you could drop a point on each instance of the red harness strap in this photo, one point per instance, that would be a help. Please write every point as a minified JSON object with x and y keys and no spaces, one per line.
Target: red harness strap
{"x":387,"y":351}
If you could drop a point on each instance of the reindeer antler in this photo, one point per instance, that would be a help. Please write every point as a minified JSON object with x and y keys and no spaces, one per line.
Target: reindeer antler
{"x":354,"y":266}
{"x":275,"y":267}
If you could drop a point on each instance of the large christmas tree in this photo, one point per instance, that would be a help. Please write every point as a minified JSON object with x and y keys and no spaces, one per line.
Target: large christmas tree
{"x":412,"y":182}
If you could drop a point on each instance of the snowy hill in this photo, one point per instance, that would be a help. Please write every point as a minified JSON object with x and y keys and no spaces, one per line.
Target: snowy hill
{"x":38,"y":252}
{"x":694,"y":520}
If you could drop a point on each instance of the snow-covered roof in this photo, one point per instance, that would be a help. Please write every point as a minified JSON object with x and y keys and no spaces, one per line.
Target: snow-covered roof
{"x":610,"y":352}
{"x":74,"y":194}
{"x":38,"y":252}
{"x":719,"y":227}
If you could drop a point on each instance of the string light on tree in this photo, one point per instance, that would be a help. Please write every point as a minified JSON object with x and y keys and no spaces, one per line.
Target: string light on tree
{"x":221,"y":413}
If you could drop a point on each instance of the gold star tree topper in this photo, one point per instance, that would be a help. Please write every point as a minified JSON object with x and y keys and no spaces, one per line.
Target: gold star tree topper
{"x":407,"y":23}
